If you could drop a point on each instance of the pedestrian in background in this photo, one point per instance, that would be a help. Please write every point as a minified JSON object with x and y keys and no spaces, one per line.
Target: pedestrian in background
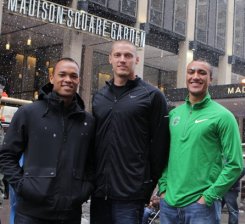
{"x":1,"y":192}
{"x":230,"y":199}
{"x":55,"y":135}
{"x":132,"y":141}
{"x":204,"y":134}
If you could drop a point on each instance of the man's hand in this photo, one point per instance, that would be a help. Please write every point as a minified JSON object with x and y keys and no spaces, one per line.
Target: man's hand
{"x":201,"y":200}
{"x":162,"y":195}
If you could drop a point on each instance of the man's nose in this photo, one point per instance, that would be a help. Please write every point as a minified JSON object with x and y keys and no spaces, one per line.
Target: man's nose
{"x":122,"y":58}
{"x":67,"y":78}
{"x":196,"y":75}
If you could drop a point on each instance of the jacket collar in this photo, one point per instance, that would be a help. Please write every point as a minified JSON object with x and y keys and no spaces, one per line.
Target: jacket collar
{"x":200,"y":104}
{"x":54,"y":101}
{"x":129,"y":83}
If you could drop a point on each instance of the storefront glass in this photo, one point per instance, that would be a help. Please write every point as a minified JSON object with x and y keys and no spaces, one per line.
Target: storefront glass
{"x":239,"y":29}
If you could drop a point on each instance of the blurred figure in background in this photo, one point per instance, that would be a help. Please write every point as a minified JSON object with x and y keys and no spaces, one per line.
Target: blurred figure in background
{"x":230,"y":199}
{"x":151,"y":209}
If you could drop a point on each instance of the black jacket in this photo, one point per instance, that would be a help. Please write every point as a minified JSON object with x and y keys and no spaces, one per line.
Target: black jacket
{"x":56,"y":142}
{"x":132,"y":140}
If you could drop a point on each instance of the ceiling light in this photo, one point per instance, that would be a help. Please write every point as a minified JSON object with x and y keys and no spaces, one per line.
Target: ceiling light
{"x":7,"y":46}
{"x":29,"y":41}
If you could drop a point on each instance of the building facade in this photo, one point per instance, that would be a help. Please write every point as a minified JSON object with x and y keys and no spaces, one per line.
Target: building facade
{"x":168,"y":34}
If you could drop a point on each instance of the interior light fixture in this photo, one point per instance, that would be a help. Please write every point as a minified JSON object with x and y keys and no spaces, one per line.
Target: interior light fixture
{"x":7,"y":46}
{"x":29,"y":41}
{"x":243,"y":81}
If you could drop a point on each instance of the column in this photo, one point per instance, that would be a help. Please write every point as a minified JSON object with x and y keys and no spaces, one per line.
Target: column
{"x":224,"y":69}
{"x":186,"y":55}
{"x":72,"y":46}
{"x":87,"y":77}
{"x":141,"y":18}
{"x":1,"y":15}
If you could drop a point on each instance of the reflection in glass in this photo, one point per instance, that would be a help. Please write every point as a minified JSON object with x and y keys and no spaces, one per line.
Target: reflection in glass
{"x":180,"y":16}
{"x":101,"y":2}
{"x":128,"y":7}
{"x":202,"y":20}
{"x":221,"y":24}
{"x":102,"y":78}
{"x":156,"y":12}
{"x":239,"y":29}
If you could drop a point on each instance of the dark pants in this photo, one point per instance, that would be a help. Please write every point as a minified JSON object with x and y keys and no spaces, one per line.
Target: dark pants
{"x":23,"y":219}
{"x":230,"y":199}
{"x":116,"y":212}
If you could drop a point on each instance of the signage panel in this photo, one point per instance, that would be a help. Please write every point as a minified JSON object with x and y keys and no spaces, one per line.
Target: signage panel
{"x":50,"y":12}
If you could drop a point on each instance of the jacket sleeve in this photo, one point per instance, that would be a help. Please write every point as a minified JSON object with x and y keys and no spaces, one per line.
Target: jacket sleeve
{"x":160,"y":137}
{"x":162,"y":182}
{"x":11,"y":150}
{"x":229,"y":136}
{"x":88,"y":184}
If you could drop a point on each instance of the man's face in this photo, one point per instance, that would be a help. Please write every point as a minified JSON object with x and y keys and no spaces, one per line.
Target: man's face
{"x":198,"y":79}
{"x":65,"y":79}
{"x":123,"y":59}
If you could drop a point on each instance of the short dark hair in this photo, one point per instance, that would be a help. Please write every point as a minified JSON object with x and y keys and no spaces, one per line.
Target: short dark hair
{"x":206,"y":62}
{"x":66,"y":59}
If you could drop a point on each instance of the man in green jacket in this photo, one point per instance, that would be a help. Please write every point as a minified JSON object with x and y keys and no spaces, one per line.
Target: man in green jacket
{"x":203,"y":135}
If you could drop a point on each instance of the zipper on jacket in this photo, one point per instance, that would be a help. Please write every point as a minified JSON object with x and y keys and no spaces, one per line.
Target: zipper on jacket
{"x":106,"y":185}
{"x":64,"y":128}
{"x":187,"y":122}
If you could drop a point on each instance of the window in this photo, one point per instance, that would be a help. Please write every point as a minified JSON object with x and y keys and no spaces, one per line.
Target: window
{"x":156,"y":12}
{"x":100,"y":2}
{"x":239,"y":29}
{"x":129,"y":7}
{"x":202,"y":20}
{"x":180,"y":16}
{"x":221,"y":24}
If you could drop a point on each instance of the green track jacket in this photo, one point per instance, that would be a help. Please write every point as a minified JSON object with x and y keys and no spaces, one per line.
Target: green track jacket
{"x":205,"y":153}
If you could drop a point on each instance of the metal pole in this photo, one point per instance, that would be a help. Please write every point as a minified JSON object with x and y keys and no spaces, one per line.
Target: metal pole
{"x":14,"y":101}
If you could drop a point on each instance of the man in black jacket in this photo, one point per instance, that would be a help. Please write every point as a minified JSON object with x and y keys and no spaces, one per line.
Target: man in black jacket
{"x":132,"y":141}
{"x":55,"y":135}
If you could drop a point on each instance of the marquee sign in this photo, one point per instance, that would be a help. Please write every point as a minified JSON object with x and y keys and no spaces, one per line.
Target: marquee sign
{"x":78,"y":20}
{"x":216,"y":92}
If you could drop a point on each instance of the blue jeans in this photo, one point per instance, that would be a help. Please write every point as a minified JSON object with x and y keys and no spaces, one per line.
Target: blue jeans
{"x":116,"y":212}
{"x":194,"y":213}
{"x":13,"y":197}
{"x":230,"y":199}
{"x":147,"y":213}
{"x":23,"y":219}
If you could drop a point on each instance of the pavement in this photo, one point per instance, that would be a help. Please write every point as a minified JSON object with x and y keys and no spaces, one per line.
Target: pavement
{"x":4,"y":214}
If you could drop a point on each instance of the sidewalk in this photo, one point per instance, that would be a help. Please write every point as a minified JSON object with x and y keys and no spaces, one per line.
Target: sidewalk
{"x":4,"y":214}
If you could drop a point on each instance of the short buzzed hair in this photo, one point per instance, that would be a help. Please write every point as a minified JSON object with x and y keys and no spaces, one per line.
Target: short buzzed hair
{"x":122,"y":41}
{"x":206,"y":62}
{"x":66,"y":59}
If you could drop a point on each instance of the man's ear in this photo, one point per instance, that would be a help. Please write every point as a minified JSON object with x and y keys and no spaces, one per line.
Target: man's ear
{"x":51,"y":77}
{"x":137,"y":60}
{"x":110,"y":58}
